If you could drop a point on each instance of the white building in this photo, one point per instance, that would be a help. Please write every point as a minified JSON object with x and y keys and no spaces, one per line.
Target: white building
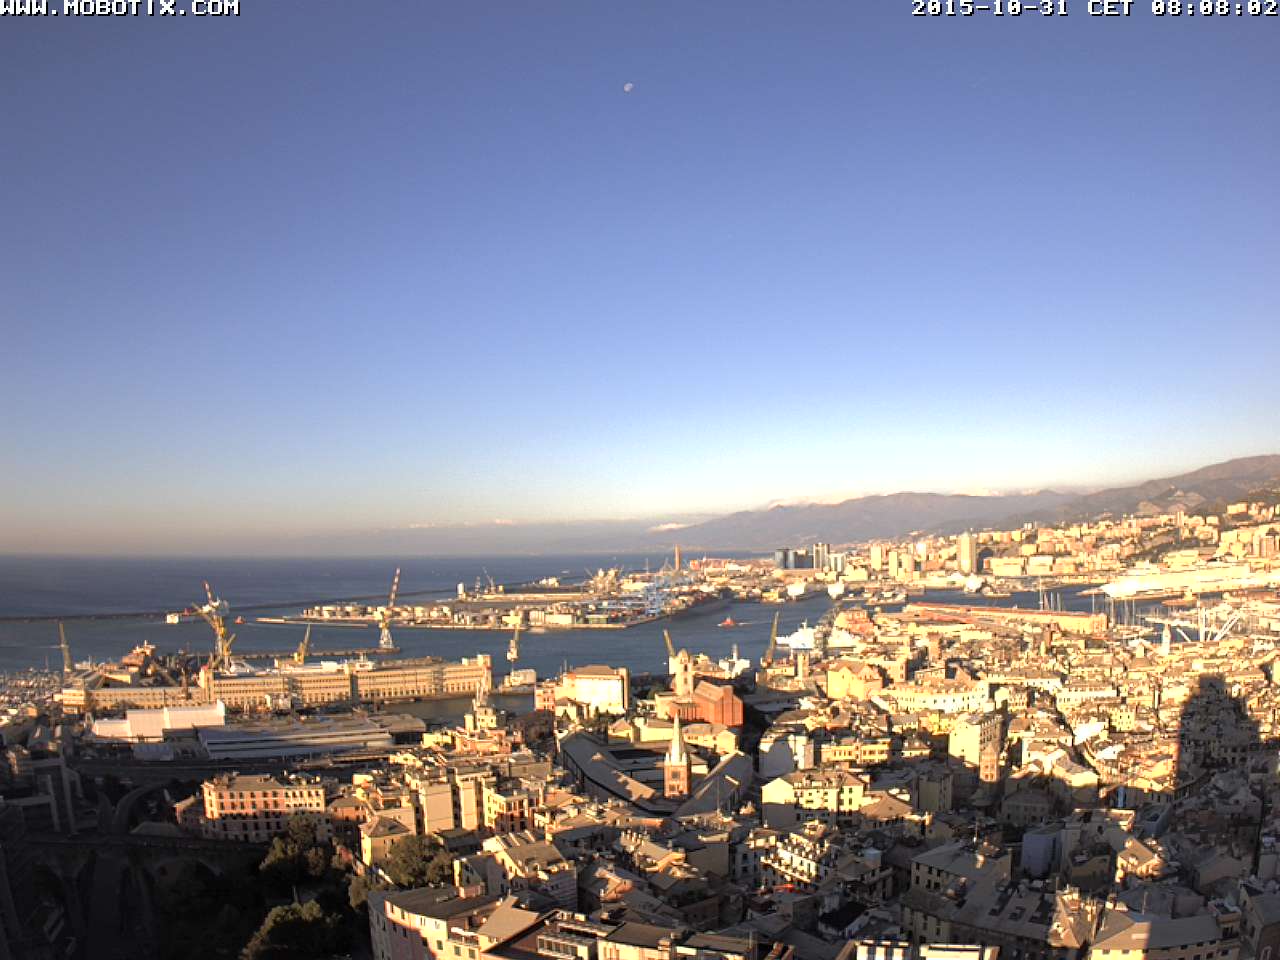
{"x":596,"y":689}
{"x":152,"y":725}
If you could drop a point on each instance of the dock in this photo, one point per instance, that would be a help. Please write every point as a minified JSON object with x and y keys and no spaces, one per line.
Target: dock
{"x":287,"y":654}
{"x":450,"y":625}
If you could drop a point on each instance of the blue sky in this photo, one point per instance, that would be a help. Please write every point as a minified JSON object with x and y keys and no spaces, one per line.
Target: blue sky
{"x":328,"y":265}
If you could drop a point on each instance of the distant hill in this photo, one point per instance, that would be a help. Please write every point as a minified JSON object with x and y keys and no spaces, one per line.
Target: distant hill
{"x":1218,"y":483}
{"x":899,"y":514}
{"x":861,"y":518}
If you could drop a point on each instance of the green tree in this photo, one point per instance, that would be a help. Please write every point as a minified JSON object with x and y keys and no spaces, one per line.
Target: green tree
{"x":317,"y":862}
{"x":281,"y":864}
{"x":297,"y":930}
{"x":358,"y":888}
{"x":301,"y":831}
{"x":440,"y":868}
{"x":296,"y":854}
{"x":418,"y":862}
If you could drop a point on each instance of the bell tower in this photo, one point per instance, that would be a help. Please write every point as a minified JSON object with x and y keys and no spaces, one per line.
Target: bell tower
{"x":683,"y":678}
{"x":677,"y":768}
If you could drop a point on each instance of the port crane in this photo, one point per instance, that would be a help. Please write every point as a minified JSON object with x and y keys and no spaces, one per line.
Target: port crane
{"x":773,"y":641}
{"x":300,"y":655}
{"x":214,"y":612}
{"x":385,"y":614}
{"x":67,"y":665}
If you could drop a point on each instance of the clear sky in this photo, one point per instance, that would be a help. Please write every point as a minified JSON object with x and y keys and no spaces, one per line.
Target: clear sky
{"x":329,"y":265}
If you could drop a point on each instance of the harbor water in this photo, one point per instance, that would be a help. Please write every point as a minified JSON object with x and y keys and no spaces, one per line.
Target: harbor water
{"x":47,"y":587}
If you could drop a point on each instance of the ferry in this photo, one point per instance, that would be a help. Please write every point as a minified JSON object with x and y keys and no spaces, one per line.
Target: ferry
{"x":182,"y":616}
{"x":842,"y":639}
{"x":805,"y":638}
{"x":798,"y":590}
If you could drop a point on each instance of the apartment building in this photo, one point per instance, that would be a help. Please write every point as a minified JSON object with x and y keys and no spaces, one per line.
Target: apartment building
{"x":515,"y":862}
{"x":427,"y":924}
{"x":256,"y":808}
{"x":1214,"y":935}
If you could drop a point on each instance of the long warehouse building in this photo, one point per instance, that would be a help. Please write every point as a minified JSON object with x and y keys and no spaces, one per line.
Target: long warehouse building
{"x":289,"y":686}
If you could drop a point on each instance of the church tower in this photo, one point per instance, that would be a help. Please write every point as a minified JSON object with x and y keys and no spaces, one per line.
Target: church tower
{"x":483,"y":715}
{"x":802,"y":664}
{"x":677,"y":768}
{"x":683,"y":677}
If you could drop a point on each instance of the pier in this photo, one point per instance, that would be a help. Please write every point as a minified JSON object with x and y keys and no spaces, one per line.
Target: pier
{"x":288,"y":653}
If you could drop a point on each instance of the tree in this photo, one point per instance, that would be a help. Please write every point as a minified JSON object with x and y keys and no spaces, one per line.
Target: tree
{"x":281,"y":865}
{"x":317,"y":862}
{"x":296,"y":854}
{"x":358,"y":889}
{"x":301,"y":831}
{"x":440,"y":868}
{"x":358,"y":892}
{"x":418,"y":862}
{"x":296,"y":930}
{"x":204,"y":916}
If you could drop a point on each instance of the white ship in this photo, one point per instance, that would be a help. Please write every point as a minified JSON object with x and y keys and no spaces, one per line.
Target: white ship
{"x":836,"y":590}
{"x":842,"y":639}
{"x":798,"y":589}
{"x":803,"y":639}
{"x":733,"y":666}
{"x":524,"y":677}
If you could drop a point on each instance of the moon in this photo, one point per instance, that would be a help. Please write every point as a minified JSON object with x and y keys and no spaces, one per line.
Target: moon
{"x":628,"y":87}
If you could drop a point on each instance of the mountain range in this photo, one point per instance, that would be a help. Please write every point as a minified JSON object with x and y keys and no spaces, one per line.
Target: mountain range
{"x":796,"y":524}
{"x":899,"y":514}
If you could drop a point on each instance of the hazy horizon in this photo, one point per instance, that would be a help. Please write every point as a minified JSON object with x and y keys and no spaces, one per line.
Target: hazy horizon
{"x":512,"y":537}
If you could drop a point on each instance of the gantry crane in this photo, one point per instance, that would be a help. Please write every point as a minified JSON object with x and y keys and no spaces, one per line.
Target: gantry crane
{"x":385,"y":614}
{"x":67,"y":665}
{"x":300,"y":655}
{"x":773,"y":641}
{"x":214,"y":612}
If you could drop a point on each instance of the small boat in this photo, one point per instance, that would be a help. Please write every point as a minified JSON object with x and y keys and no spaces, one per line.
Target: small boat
{"x":239,"y":620}
{"x":727,"y":622}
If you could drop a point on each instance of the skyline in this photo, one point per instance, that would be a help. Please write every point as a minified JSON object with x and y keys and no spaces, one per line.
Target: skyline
{"x":321,"y":269}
